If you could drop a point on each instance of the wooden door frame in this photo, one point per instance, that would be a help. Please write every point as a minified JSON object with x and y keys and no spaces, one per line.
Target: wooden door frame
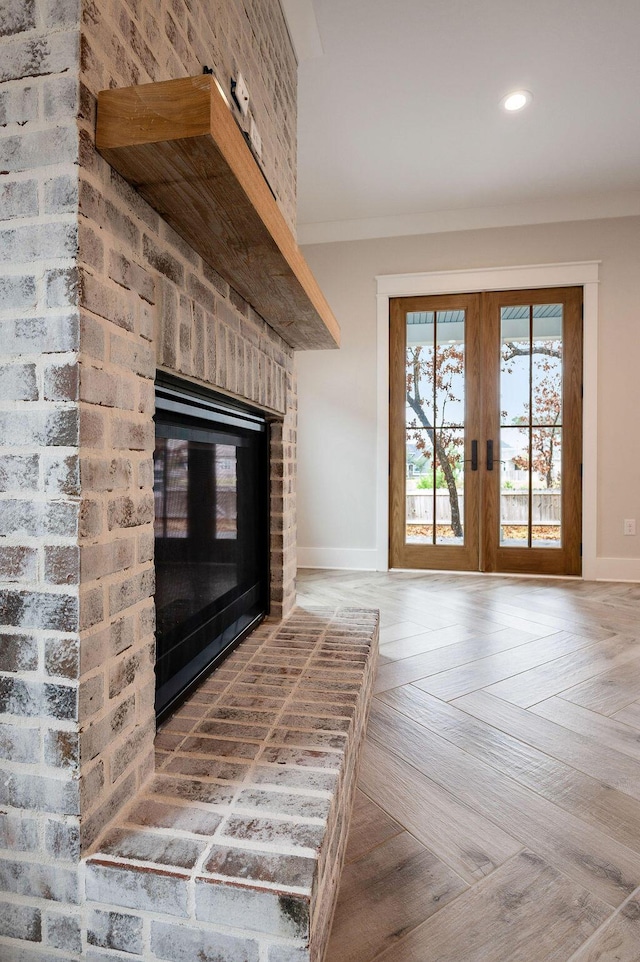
{"x":577,"y":274}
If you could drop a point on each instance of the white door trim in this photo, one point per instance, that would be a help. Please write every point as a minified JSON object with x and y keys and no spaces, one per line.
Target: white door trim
{"x":578,"y":274}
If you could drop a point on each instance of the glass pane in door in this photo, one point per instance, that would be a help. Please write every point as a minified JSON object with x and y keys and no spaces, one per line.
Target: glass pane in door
{"x":435,"y":406}
{"x":449,"y":491}
{"x":546,"y":529}
{"x":514,"y":488}
{"x":531,"y":425}
{"x":546,"y":432}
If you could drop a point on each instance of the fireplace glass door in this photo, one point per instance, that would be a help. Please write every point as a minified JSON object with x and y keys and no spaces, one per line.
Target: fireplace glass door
{"x":211,"y":535}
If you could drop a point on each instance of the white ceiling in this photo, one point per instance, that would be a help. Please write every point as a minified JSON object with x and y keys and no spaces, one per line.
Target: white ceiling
{"x":400,"y":128}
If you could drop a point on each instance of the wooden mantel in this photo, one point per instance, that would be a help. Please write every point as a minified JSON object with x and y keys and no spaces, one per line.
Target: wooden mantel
{"x":178,"y":144}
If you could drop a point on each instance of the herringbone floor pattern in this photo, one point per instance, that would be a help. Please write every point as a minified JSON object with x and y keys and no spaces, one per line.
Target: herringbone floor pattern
{"x":498,"y":814}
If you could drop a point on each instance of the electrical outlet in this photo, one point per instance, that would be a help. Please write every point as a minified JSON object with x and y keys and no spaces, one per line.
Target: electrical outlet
{"x":240,"y":94}
{"x":629,"y":525}
{"x":256,"y":139}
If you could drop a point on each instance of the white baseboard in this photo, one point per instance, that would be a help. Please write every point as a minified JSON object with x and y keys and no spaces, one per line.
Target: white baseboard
{"x":356,"y":559}
{"x":617,"y":569}
{"x":365,"y":559}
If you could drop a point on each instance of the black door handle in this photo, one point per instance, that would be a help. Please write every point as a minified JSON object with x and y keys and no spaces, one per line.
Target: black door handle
{"x":474,"y":455}
{"x":489,"y":455}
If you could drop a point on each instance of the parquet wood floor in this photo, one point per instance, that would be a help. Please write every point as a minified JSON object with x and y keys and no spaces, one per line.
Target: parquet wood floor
{"x":498,"y":809}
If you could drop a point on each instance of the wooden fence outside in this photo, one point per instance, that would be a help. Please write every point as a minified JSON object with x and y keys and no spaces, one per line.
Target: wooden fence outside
{"x":514,"y":507}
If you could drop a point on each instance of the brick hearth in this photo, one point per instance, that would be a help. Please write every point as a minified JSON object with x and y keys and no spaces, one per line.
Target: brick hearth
{"x":234,"y":849}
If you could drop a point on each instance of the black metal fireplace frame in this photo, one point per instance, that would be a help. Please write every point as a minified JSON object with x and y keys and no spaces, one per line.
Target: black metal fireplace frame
{"x":181,"y":402}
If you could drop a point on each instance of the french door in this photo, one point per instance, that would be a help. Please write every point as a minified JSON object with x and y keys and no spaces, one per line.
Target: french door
{"x":486,"y":431}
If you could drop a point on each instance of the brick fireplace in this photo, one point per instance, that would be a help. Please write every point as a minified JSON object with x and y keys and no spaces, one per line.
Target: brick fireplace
{"x":97,"y":294}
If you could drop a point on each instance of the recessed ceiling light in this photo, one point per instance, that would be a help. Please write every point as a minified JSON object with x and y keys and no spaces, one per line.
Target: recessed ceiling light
{"x":516,"y":100}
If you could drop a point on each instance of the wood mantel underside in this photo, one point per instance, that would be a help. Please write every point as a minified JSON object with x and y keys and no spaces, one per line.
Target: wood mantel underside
{"x":178,"y":144}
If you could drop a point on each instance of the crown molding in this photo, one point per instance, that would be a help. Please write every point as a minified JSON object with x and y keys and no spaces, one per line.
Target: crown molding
{"x":591,"y":207}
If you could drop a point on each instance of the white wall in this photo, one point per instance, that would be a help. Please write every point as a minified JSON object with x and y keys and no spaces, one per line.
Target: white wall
{"x":337,"y":407}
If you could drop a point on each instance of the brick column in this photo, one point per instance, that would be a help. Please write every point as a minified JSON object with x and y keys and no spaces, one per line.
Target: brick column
{"x":283,"y":505}
{"x":95,"y":292}
{"x":39,"y":478}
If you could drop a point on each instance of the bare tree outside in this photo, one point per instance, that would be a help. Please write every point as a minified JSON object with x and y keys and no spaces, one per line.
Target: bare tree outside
{"x":546,"y":406}
{"x":431,"y":377}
